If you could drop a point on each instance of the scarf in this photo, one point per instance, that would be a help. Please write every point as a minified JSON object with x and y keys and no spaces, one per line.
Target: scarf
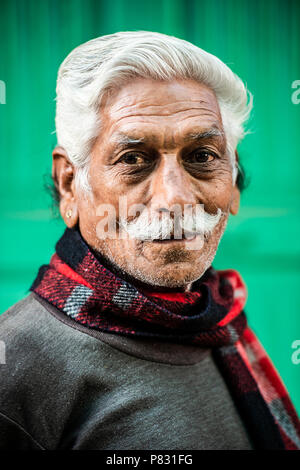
{"x":209,"y":315}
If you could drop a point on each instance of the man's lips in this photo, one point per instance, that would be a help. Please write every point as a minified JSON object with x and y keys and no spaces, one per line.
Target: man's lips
{"x":175,"y":240}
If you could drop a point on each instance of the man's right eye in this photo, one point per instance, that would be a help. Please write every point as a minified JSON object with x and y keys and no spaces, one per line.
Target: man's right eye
{"x":133,"y":158}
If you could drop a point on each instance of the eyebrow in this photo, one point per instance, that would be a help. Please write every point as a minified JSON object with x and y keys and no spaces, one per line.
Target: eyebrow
{"x":196,"y":136}
{"x":122,"y":140}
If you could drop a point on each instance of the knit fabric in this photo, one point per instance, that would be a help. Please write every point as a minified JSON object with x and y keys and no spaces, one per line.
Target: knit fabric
{"x":209,"y":315}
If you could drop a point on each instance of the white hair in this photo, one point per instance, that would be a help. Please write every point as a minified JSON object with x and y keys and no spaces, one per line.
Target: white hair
{"x":106,"y":63}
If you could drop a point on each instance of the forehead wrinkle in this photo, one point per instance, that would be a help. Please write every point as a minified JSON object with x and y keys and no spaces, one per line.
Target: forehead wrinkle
{"x":149,"y":99}
{"x":137,"y":111}
{"x":147,"y":107}
{"x":211,"y":115}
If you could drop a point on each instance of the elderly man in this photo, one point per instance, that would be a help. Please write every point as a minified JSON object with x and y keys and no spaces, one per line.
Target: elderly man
{"x":130,"y":339}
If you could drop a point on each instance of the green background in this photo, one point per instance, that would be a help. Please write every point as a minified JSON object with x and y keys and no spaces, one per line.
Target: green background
{"x":260,"y":41}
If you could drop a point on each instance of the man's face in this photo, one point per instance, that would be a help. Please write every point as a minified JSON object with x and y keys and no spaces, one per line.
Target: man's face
{"x":159,"y":146}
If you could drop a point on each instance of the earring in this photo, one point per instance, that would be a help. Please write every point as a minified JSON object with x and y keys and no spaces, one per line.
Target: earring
{"x":69,"y":213}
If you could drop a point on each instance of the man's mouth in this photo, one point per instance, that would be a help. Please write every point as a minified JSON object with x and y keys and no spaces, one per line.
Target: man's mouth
{"x":186,"y":237}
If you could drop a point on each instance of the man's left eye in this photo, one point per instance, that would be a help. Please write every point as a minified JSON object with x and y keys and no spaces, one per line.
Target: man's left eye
{"x":201,"y":157}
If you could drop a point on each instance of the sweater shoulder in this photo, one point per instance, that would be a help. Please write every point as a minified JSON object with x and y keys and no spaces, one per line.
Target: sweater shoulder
{"x":44,"y":365}
{"x":27,"y":328}
{"x":18,"y":315}
{"x":37,"y":342}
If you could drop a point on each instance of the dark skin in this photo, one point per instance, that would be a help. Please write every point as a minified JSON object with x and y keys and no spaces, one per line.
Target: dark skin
{"x":181,"y":159}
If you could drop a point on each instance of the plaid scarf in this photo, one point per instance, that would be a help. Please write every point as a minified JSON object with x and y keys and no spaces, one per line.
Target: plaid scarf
{"x":210,"y":315}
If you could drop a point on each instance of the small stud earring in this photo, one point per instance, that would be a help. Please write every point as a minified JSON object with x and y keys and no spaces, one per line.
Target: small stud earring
{"x":69,"y":214}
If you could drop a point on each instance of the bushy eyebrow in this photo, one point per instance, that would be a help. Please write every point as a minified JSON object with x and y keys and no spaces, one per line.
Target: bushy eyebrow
{"x":197,"y":136}
{"x":123,"y":140}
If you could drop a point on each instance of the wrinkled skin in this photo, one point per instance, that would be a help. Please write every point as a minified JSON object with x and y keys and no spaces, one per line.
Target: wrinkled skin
{"x":163,"y":170}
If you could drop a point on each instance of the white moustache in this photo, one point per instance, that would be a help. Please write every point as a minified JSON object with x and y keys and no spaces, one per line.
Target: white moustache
{"x":164,"y":227}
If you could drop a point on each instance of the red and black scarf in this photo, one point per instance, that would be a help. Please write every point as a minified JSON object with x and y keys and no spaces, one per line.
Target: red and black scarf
{"x":209,"y":315}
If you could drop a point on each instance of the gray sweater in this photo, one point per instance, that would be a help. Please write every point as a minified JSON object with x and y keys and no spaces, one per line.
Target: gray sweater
{"x":65,"y":386}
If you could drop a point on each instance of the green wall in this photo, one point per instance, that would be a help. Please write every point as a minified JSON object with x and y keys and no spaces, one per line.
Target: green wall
{"x":260,"y":41}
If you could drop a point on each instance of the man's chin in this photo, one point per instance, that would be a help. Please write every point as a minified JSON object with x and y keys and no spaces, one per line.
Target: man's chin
{"x":166,"y":265}
{"x":176,"y":275}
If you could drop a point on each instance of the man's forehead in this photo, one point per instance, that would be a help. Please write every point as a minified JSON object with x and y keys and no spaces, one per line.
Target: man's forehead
{"x":155,"y":100}
{"x":146,"y":111}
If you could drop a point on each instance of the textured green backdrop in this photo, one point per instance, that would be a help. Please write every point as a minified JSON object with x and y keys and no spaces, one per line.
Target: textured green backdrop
{"x":260,"y":41}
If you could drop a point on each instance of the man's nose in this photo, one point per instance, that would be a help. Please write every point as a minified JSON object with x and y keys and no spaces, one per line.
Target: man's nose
{"x":171,"y":185}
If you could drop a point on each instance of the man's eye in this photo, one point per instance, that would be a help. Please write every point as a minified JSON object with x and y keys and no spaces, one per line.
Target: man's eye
{"x":133,"y":159}
{"x":201,"y":156}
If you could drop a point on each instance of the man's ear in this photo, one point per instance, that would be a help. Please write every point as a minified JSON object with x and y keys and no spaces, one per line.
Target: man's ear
{"x":63,"y":174}
{"x":236,"y":195}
